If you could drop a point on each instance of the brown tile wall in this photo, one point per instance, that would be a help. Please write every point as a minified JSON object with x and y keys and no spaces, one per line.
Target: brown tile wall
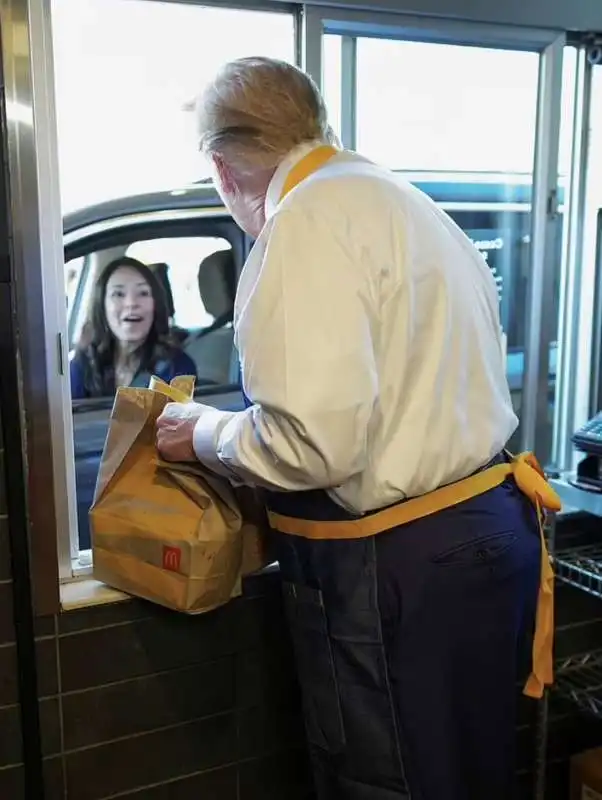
{"x":10,"y":728}
{"x":139,"y":702}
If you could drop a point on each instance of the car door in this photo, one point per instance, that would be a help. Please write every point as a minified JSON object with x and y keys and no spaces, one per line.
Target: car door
{"x":176,"y":244}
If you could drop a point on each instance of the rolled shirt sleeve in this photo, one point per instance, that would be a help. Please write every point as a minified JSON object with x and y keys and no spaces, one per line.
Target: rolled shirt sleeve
{"x":306,"y":349}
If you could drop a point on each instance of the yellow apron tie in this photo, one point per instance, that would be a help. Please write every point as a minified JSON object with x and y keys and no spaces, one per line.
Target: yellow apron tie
{"x":524,"y":468}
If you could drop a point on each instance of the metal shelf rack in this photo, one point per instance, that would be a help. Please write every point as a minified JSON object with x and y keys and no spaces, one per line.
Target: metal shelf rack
{"x":579,"y":679}
{"x":581,"y":567}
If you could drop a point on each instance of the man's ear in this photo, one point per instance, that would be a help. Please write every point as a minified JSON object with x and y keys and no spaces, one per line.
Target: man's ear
{"x":225,"y":174}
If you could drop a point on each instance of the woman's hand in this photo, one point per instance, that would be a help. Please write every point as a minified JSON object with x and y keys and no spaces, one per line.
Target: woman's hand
{"x":175,"y":430}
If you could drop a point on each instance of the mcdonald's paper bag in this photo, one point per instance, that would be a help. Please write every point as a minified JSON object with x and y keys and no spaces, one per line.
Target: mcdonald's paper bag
{"x":173,"y":534}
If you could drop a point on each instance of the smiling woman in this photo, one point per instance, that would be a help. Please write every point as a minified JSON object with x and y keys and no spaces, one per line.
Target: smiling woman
{"x":127,"y":335}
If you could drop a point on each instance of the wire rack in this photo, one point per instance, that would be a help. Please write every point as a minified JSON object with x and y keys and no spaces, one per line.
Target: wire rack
{"x":581,"y":567}
{"x":579,"y":679}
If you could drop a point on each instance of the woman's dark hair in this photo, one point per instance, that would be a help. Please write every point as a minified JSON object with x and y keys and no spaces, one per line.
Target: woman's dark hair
{"x":97,"y":350}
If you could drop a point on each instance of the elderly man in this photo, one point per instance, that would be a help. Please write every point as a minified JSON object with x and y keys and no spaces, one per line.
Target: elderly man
{"x":378,"y":412}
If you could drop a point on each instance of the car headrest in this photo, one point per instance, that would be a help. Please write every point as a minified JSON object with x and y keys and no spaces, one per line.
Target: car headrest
{"x":161,"y":273}
{"x":216,"y":274}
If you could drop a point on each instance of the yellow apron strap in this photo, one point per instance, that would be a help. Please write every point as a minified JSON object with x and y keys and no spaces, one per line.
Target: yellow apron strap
{"x":399,"y":514}
{"x":309,"y":164}
{"x":530,"y":480}
{"x":542,"y":666}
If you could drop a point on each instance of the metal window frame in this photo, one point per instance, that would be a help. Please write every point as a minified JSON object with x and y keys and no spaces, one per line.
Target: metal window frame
{"x":595,"y":389}
{"x":349,"y":92}
{"x":36,"y":230}
{"x":408,"y":27}
{"x":572,"y":268}
{"x":319,"y":20}
{"x":588,"y":381}
{"x":540,"y":326}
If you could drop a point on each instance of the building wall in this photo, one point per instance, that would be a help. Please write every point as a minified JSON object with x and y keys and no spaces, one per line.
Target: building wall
{"x":139,"y":702}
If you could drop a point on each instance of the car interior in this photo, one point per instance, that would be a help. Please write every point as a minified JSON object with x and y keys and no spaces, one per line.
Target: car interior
{"x":209,"y":342}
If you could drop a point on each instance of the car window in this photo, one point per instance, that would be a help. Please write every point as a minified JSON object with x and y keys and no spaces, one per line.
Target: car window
{"x":198,"y":278}
{"x":73,"y":271}
{"x":180,"y":258}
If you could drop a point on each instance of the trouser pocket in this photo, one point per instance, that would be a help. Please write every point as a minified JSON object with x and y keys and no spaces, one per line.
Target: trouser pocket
{"x":315,"y":666}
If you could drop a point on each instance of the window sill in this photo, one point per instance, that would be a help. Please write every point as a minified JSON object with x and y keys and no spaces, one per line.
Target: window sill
{"x":82,"y":590}
{"x":85,"y":592}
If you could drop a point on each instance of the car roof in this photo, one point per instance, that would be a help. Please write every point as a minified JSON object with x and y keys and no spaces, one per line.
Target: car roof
{"x":442,"y":186}
{"x":198,"y":195}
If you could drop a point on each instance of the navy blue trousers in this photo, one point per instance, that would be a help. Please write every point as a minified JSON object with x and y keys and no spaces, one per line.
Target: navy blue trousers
{"x":410,"y":647}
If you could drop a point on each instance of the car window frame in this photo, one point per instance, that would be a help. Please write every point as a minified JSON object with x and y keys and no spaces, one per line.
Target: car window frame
{"x":126,"y":230}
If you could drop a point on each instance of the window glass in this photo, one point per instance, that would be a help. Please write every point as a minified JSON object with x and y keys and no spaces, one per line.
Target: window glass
{"x":125,"y":73}
{"x":464,"y":132}
{"x":125,"y":70}
{"x":182,"y":258}
{"x":331,"y":79}
{"x":457,"y":108}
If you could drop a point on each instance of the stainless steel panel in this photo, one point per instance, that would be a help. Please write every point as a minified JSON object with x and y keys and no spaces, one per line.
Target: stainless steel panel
{"x":311,"y":24}
{"x":349,"y":92}
{"x":541,"y":326}
{"x":36,"y":231}
{"x":571,"y":273}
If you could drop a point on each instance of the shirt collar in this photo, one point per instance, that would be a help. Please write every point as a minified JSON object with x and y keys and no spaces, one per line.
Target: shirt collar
{"x":276,"y":185}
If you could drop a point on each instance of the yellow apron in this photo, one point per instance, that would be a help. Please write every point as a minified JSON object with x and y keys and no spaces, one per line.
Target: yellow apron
{"x":523,"y":468}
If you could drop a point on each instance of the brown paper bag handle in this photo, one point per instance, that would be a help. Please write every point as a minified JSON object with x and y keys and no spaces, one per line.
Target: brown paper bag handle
{"x":175,"y":395}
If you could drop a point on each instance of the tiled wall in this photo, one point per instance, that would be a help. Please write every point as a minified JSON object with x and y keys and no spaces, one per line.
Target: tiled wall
{"x":139,"y":702}
{"x":10,"y":732}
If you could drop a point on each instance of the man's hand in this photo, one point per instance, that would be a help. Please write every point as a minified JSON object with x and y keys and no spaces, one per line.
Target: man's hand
{"x":175,"y":429}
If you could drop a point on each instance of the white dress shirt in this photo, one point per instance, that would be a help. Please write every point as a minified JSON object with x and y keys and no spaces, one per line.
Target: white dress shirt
{"x":369,"y":337}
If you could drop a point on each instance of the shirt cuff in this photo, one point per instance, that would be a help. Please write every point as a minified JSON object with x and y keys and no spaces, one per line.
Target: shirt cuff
{"x":205,"y":439}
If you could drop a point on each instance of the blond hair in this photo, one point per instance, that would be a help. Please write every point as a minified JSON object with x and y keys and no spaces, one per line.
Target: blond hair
{"x":258,"y":109}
